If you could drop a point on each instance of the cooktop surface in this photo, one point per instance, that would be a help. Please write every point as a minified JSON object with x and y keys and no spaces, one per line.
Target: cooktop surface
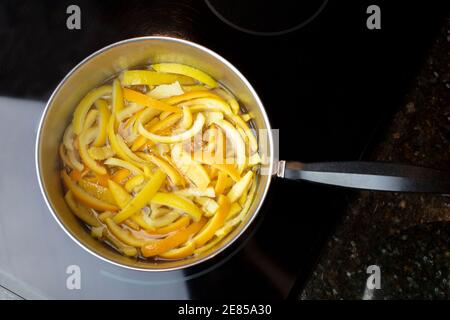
{"x":327,"y":82}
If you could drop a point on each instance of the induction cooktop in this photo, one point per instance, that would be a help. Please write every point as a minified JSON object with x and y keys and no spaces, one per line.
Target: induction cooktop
{"x":329,"y":84}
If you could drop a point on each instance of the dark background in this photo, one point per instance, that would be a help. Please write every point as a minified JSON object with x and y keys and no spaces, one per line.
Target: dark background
{"x":330,"y":87}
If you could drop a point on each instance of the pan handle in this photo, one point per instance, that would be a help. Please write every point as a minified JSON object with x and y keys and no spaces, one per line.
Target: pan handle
{"x":368,"y":175}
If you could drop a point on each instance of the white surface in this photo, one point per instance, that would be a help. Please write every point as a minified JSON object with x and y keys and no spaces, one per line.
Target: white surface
{"x":35,"y":252}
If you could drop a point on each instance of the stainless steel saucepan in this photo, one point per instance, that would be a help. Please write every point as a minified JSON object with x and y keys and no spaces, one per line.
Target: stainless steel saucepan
{"x":109,"y":61}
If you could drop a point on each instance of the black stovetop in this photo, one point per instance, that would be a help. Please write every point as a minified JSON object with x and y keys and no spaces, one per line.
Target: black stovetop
{"x":328,"y":85}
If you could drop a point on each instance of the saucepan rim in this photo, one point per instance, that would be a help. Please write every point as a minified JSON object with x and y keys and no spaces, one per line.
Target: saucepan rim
{"x":270,"y":164}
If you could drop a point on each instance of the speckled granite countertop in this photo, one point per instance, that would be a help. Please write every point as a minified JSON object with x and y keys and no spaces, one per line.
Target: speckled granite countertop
{"x":406,"y":235}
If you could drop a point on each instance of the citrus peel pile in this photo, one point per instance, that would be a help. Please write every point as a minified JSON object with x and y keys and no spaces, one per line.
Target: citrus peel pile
{"x":161,"y":162}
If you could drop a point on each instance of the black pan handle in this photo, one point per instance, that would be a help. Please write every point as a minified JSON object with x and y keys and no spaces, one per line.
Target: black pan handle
{"x":368,"y":175}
